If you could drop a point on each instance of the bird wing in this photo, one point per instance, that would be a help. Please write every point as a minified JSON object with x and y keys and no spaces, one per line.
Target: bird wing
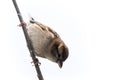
{"x":45,"y":27}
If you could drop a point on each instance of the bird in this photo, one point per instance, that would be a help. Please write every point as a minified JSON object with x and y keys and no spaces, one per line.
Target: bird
{"x":46,"y":42}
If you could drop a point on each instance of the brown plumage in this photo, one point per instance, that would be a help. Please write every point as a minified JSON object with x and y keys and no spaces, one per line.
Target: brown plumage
{"x":47,"y":43}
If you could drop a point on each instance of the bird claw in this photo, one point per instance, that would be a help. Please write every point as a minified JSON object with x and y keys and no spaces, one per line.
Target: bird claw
{"x":22,"y":24}
{"x":36,"y":62}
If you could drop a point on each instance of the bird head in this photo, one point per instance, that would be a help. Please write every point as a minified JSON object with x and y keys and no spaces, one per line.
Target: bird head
{"x":59,"y":51}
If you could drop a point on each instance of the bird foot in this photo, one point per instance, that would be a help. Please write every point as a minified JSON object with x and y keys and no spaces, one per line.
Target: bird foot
{"x":36,"y":62}
{"x":22,"y":24}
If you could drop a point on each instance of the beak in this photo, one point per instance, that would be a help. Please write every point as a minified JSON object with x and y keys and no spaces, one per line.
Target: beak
{"x":60,"y":63}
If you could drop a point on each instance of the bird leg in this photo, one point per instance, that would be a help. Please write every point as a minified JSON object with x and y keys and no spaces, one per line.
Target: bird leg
{"x":36,"y":62}
{"x":22,"y":24}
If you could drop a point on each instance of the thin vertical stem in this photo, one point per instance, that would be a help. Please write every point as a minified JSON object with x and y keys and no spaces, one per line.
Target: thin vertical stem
{"x":29,"y":43}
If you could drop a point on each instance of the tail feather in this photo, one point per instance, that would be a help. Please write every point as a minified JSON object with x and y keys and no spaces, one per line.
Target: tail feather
{"x":32,"y":20}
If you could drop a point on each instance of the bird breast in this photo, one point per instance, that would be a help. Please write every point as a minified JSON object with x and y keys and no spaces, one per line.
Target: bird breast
{"x":40,"y":39}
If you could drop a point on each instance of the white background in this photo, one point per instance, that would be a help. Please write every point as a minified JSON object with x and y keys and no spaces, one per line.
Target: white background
{"x":90,"y":28}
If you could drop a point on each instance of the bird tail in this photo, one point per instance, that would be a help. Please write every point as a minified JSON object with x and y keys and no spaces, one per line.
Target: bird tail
{"x":31,"y":19}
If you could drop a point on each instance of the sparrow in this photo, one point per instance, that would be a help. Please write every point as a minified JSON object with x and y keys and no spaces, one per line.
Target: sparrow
{"x":47,"y":43}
